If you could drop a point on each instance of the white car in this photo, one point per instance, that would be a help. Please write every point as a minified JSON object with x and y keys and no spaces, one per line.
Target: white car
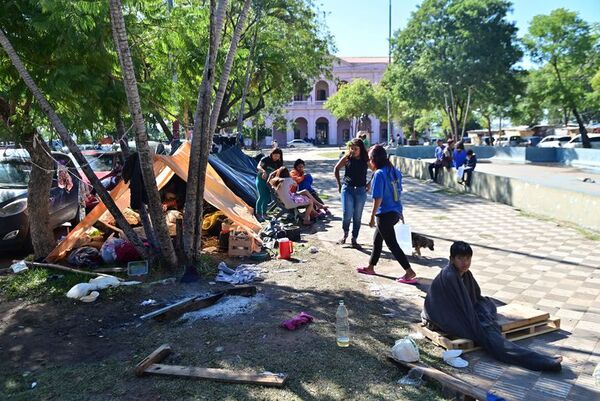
{"x":554,"y":141}
{"x":576,"y":142}
{"x":299,"y":143}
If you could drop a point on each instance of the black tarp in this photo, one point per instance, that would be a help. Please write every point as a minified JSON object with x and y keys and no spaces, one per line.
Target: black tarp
{"x":454,"y":305}
{"x":238,"y":171}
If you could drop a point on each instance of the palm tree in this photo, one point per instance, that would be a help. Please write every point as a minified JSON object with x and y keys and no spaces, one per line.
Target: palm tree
{"x":141,"y":138}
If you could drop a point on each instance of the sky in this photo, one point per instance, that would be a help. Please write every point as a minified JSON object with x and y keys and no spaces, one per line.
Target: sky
{"x":360,"y":27}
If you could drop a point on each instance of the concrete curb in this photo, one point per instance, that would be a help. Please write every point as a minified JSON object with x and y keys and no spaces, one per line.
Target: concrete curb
{"x":574,"y":207}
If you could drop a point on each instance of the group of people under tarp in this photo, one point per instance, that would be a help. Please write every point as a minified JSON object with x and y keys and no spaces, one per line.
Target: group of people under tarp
{"x":293,"y":189}
{"x":454,"y":305}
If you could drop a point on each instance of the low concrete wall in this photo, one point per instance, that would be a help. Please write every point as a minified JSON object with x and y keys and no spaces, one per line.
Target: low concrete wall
{"x":579,"y":157}
{"x":570,"y":157}
{"x":564,"y":205}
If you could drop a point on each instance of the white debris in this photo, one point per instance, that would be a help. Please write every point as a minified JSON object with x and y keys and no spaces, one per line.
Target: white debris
{"x":19,"y":266}
{"x":148,"y":302}
{"x":226,"y":307}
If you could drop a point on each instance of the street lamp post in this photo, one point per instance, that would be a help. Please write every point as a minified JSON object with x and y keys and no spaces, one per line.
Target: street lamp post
{"x":389,"y":119}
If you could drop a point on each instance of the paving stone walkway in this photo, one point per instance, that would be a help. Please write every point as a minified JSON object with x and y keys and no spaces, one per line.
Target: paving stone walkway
{"x":517,"y":258}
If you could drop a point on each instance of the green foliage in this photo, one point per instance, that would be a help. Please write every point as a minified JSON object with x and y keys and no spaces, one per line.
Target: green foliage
{"x":450,"y":48}
{"x":353,"y":99}
{"x":567,"y":49}
{"x":67,"y":46}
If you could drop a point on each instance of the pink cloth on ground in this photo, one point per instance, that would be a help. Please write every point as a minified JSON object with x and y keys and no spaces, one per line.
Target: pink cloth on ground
{"x":301,"y":319}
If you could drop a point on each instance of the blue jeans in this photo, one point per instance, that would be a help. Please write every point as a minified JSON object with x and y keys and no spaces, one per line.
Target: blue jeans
{"x":353,"y":203}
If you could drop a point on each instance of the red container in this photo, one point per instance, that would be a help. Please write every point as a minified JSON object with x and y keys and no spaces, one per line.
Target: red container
{"x":286,"y":248}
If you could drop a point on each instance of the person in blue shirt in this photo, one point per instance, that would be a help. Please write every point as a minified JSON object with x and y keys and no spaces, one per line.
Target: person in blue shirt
{"x":386,"y":188}
{"x":439,"y":157}
{"x":459,"y":158}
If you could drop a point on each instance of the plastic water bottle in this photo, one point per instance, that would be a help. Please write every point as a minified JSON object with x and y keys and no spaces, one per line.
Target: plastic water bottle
{"x":597,"y":375}
{"x":342,"y":327}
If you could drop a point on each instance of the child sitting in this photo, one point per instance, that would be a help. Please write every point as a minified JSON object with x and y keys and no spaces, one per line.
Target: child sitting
{"x":282,"y":182}
{"x":467,"y":175}
{"x":303,"y":180}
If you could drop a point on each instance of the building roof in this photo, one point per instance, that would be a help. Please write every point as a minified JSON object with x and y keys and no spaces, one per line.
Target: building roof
{"x":356,"y":60}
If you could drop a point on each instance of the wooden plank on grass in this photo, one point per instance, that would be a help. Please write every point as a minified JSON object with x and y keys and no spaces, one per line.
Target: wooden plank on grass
{"x":221,"y":375}
{"x":185,"y":305}
{"x":512,"y":316}
{"x":445,"y":379}
{"x":156,"y":356}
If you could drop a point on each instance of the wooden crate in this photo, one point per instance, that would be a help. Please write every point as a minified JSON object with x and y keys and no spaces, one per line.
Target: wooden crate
{"x":513,"y":330}
{"x":240,"y":244}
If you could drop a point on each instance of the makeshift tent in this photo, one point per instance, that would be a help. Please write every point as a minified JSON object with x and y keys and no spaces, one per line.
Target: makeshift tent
{"x":238,"y":171}
{"x":165,"y":167}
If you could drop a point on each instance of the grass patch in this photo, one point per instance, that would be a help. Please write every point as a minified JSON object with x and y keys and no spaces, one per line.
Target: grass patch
{"x":331,"y":155}
{"x":39,"y":284}
{"x":588,"y":234}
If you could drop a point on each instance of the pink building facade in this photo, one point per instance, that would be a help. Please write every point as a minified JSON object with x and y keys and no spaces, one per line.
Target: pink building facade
{"x":308,"y":119}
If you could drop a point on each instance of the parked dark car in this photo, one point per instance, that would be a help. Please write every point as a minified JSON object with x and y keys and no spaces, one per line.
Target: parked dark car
{"x":15,"y":167}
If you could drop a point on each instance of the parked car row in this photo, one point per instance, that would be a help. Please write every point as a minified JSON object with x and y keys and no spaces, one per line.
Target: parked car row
{"x":550,"y":141}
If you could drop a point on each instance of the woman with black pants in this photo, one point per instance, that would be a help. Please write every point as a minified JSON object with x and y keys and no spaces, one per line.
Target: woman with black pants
{"x":386,"y":188}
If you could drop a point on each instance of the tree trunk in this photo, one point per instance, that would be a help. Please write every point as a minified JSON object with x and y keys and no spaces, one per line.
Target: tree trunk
{"x":466,"y":114}
{"x":141,"y":138}
{"x":73,"y":148}
{"x":208,"y":135}
{"x":585,"y":139}
{"x":38,"y":198}
{"x":122,"y":136}
{"x":247,"y":80}
{"x":199,"y":150}
{"x":163,"y":125}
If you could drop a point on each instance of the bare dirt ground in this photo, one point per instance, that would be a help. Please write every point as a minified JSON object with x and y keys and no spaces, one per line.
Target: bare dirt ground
{"x":74,"y":351}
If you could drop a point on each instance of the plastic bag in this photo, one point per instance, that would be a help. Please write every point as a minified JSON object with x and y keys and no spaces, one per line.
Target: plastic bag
{"x":405,"y":350}
{"x":404,"y":237}
{"x":414,"y":377}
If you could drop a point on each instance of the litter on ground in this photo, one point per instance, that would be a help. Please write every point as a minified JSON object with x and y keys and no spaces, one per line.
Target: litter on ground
{"x":226,"y":307}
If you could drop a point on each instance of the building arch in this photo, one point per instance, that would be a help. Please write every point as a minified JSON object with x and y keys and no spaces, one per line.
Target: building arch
{"x":344,"y":131}
{"x":321,"y":91}
{"x":322,"y":131}
{"x":300,"y":128}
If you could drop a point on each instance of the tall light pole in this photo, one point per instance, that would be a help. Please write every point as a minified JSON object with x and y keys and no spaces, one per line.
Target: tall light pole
{"x":389,"y":119}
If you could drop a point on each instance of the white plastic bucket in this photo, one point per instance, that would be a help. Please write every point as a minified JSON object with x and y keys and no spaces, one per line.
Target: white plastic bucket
{"x":404,"y":237}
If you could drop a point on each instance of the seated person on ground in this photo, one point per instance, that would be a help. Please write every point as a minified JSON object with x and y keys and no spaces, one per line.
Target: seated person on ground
{"x":282,"y":182}
{"x":304,"y":181}
{"x":454,"y":305}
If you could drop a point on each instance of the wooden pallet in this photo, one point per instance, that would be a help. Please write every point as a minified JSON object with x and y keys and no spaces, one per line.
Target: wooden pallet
{"x":513,"y":334}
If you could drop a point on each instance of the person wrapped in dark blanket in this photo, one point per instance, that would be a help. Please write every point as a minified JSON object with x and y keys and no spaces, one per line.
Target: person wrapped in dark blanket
{"x":454,"y":305}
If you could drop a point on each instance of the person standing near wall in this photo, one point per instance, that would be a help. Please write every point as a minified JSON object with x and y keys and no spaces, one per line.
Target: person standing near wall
{"x":354,"y":188}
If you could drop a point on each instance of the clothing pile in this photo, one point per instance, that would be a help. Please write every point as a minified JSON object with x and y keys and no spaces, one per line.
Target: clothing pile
{"x":243,"y":274}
